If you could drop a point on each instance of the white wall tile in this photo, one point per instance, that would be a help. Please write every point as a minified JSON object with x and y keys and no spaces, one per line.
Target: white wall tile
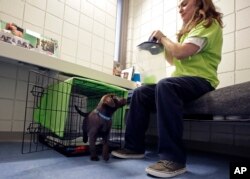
{"x":7,"y":71}
{"x":17,"y":126}
{"x":99,"y":16}
{"x":170,"y":32}
{"x":71,"y":15}
{"x":7,"y":89}
{"x":6,"y":109}
{"x":22,"y":72}
{"x":229,"y":24}
{"x":107,"y":61}
{"x":226,"y":6}
{"x":169,"y":4}
{"x":99,"y":4}
{"x":146,"y":17}
{"x":53,"y":24}
{"x":242,"y":59}
{"x":109,"y":34}
{"x":113,"y":2}
{"x":242,"y":76}
{"x":146,"y":29}
{"x":110,"y":21}
{"x":157,"y":10}
{"x":87,"y":8}
{"x":97,"y":43}
{"x":58,"y":11}
{"x":70,"y":31}
{"x":13,"y":8}
{"x":99,"y":29}
{"x":19,"y":111}
{"x":34,"y":15}
{"x":96,"y":57}
{"x":76,"y":4}
{"x":146,"y":6}
{"x":5,"y":126}
{"x":85,"y":37}
{"x":228,"y":43}
{"x":111,"y":9}
{"x":157,"y":24}
{"x":227,"y":63}
{"x":137,"y":11}
{"x":242,"y":20}
{"x":170,"y":16}
{"x":137,"y":22}
{"x":21,"y":90}
{"x":83,"y":52}
{"x":243,"y":39}
{"x":86,"y":23}
{"x":109,"y":48}
{"x":226,"y":79}
{"x":41,"y":4}
{"x":240,"y":4}
{"x":69,"y":47}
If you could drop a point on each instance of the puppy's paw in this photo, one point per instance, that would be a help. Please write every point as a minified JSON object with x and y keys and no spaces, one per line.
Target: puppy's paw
{"x":94,"y":158}
{"x":105,"y":157}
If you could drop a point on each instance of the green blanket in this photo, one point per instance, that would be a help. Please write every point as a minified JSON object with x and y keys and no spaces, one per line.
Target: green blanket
{"x":53,"y":110}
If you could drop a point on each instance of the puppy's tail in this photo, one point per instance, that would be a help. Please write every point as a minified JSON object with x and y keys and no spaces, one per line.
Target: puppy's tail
{"x":80,"y":112}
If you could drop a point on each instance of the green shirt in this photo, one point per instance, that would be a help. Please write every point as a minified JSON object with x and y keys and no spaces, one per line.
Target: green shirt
{"x":204,"y":63}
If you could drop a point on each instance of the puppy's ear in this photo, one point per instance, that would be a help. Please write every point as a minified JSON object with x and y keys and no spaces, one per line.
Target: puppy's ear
{"x":108,"y":100}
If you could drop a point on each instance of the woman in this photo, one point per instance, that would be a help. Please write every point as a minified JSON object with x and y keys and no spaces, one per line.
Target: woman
{"x":196,"y":57}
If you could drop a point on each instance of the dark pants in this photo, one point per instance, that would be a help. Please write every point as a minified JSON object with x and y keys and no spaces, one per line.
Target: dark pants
{"x":166,"y":98}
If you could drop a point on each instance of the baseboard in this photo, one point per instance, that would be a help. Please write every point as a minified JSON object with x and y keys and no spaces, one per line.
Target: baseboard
{"x":11,"y":136}
{"x":232,"y":150}
{"x":225,"y":149}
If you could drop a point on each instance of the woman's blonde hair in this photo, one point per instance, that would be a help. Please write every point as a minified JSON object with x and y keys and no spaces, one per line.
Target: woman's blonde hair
{"x":205,"y":11}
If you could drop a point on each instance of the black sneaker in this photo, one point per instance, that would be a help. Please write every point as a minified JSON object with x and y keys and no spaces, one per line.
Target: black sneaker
{"x":165,"y":168}
{"x":127,"y":154}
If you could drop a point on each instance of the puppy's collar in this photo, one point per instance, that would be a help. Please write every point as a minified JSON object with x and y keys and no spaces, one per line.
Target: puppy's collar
{"x":102,"y":115}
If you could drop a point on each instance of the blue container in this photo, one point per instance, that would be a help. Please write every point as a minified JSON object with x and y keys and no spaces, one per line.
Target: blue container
{"x":136,"y":77}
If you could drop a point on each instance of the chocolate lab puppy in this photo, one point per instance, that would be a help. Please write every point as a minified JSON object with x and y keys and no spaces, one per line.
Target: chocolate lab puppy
{"x":98,"y":123}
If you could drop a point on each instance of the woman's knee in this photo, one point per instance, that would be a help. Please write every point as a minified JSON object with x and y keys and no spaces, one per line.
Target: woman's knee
{"x":144,"y":93}
{"x":166,"y":82}
{"x":138,"y":90}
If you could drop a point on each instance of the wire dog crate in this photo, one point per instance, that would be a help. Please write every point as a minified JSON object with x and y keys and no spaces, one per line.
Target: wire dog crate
{"x":51,"y":120}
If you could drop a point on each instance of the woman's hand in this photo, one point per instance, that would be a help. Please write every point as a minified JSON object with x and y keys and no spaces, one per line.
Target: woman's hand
{"x":174,"y":49}
{"x":158,"y":35}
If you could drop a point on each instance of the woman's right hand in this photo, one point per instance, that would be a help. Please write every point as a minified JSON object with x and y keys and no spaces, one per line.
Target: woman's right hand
{"x":156,"y":36}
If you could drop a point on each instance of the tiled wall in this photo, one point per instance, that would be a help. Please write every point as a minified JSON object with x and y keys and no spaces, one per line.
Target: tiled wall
{"x":13,"y":81}
{"x":85,"y":29}
{"x":146,"y":16}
